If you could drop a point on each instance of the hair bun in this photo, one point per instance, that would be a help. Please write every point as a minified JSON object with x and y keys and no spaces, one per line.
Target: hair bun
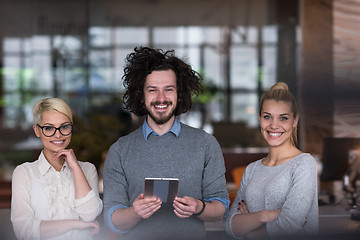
{"x":280,"y":86}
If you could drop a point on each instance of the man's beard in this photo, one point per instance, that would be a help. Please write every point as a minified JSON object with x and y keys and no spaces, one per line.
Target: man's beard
{"x":162,"y":118}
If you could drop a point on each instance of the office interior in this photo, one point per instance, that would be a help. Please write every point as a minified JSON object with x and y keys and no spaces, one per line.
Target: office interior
{"x":76,"y":50}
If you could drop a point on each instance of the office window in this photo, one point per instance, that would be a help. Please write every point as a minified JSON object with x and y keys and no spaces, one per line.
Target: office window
{"x":90,"y":69}
{"x":243,"y":67}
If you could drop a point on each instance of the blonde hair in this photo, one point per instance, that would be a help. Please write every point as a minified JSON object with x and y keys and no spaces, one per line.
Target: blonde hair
{"x":280,"y":92}
{"x":51,"y":104}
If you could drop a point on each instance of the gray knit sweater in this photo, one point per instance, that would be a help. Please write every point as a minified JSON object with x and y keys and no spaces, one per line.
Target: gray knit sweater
{"x":194,"y":157}
{"x":291,"y":186}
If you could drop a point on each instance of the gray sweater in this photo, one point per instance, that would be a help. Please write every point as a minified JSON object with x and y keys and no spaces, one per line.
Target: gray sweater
{"x":291,"y":186}
{"x":194,"y":157}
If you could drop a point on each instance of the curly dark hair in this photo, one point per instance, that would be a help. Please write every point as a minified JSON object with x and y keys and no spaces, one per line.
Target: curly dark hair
{"x":142,"y":62}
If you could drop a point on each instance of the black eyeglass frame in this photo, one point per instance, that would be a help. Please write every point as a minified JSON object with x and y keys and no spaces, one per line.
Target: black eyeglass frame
{"x":56,"y":129}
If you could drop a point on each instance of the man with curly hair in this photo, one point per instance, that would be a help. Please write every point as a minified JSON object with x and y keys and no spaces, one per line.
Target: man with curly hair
{"x":160,"y":86}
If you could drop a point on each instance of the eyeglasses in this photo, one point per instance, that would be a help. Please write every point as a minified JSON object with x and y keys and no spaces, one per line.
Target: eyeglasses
{"x":50,"y":131}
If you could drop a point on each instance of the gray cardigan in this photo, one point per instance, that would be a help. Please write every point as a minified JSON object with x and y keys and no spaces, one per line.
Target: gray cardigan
{"x":291,"y":186}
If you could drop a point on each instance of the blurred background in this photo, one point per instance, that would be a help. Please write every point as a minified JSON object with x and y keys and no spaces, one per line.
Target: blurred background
{"x":75,"y":50}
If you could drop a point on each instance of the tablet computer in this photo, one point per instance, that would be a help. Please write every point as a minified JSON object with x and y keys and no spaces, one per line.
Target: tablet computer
{"x":164,"y":188}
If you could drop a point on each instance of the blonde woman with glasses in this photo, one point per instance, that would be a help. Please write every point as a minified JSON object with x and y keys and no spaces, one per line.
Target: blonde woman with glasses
{"x":56,"y":196}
